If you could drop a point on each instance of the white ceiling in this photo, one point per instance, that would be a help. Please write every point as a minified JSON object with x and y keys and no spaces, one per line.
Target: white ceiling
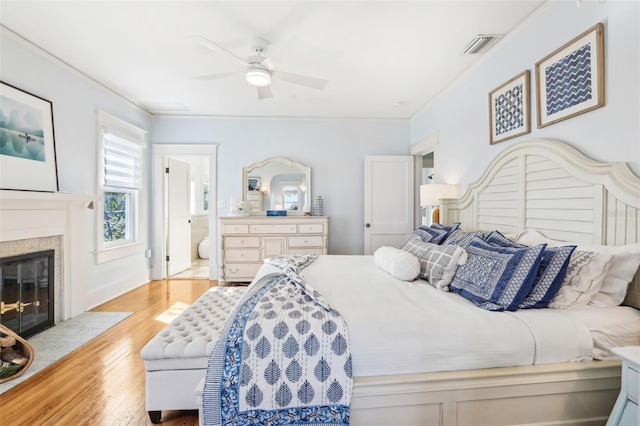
{"x":383,"y":59}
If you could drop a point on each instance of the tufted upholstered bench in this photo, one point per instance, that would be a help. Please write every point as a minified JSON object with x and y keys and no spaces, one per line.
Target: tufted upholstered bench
{"x":176,"y":358}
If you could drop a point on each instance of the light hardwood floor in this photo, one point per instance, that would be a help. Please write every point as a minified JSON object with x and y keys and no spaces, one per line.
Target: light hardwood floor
{"x":103,"y":382}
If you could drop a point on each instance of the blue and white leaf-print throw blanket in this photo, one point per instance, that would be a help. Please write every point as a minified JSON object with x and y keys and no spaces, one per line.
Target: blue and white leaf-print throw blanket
{"x":283,"y":358}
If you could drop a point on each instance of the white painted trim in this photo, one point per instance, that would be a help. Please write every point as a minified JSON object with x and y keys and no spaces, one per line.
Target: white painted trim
{"x":426,"y":145}
{"x":116,"y":289}
{"x":158,"y":237}
{"x":107,"y":255}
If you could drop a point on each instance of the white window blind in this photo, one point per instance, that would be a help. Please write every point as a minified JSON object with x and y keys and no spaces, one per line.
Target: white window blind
{"x":122,"y":162}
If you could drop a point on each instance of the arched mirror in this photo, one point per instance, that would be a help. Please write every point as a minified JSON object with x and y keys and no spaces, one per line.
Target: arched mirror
{"x":276,"y":184}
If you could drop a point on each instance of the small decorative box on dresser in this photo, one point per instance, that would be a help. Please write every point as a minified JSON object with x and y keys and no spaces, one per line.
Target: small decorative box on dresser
{"x":625,"y":412}
{"x":247,"y":240}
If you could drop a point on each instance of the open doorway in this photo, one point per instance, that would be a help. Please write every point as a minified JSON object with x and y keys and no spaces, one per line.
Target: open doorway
{"x":427,"y":177}
{"x":188,"y":243}
{"x":201,"y":187}
{"x":425,"y":153}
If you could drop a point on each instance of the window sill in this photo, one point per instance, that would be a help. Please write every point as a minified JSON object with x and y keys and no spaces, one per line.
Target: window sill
{"x":107,"y":255}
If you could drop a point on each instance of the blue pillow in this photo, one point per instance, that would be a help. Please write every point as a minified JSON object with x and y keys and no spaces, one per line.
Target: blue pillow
{"x":434,"y":234}
{"x":551,"y":273}
{"x":461,"y":238}
{"x":497,"y":278}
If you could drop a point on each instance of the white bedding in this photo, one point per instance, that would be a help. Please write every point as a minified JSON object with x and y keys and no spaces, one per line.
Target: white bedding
{"x":609,"y":327}
{"x":399,"y":327}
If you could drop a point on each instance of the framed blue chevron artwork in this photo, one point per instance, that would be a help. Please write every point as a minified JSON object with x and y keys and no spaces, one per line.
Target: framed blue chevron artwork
{"x":509,"y":109}
{"x":570,"y":81}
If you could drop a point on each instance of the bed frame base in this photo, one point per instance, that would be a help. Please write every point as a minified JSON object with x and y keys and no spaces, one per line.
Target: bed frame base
{"x":554,"y":394}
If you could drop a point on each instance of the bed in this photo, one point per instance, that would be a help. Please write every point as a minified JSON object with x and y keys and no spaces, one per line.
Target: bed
{"x":543,"y":187}
{"x":517,"y":374}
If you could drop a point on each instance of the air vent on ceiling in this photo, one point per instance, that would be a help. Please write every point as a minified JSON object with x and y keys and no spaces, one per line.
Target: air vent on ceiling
{"x":481,"y":43}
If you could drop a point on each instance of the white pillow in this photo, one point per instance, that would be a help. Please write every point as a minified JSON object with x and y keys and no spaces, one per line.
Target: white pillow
{"x":585,"y":275}
{"x":398,"y":263}
{"x":624,"y":265}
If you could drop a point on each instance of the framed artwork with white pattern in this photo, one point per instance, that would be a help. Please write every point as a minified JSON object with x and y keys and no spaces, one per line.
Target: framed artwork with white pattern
{"x":510,"y":109}
{"x":570,"y":81}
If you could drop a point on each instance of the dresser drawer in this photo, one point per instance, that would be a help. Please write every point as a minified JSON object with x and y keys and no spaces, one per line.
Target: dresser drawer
{"x":311,"y":228}
{"x":274,"y":229}
{"x":310,"y":250}
{"x":242,"y":255}
{"x":230,"y":228}
{"x":633,"y":382}
{"x":241,"y":242}
{"x":309,"y":241}
{"x":241,"y":270}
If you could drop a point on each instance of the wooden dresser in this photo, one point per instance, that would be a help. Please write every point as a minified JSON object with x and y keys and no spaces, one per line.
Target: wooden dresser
{"x":247,"y":240}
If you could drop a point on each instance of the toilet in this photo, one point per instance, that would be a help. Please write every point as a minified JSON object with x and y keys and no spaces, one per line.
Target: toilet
{"x":203,"y":248}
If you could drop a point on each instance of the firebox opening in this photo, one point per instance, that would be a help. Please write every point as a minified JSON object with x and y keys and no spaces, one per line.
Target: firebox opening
{"x":27,"y":292}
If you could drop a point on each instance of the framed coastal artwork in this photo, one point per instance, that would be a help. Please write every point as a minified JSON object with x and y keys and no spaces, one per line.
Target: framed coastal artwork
{"x":510,"y":109}
{"x":27,"y":142}
{"x":570,"y":81}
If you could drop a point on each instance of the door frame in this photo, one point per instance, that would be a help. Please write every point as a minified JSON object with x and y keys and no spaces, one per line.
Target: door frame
{"x":158,"y":193}
{"x":428,"y":144}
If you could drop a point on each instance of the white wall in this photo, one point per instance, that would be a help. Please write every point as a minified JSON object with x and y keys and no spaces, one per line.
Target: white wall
{"x":75,"y":101}
{"x":334,"y":149}
{"x":612,"y":133}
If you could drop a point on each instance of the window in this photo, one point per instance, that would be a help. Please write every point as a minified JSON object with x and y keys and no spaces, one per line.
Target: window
{"x":117,"y":217}
{"x":121,"y":181}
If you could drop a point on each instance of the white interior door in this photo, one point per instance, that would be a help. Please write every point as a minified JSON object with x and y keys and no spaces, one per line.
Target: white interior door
{"x":388,"y":201}
{"x":179,"y":222}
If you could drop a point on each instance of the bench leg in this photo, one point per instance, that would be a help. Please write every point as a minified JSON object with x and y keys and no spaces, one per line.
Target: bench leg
{"x":155,"y":416}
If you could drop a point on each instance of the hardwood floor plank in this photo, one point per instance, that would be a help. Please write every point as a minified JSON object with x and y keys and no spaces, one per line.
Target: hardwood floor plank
{"x":103,"y":381}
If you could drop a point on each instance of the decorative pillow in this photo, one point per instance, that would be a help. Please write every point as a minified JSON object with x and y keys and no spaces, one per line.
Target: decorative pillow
{"x":398,"y":263}
{"x":461,"y":238}
{"x":624,"y":265}
{"x":435,"y":233}
{"x":551,"y":272}
{"x":497,"y":278}
{"x":438,"y":263}
{"x":585,"y":275}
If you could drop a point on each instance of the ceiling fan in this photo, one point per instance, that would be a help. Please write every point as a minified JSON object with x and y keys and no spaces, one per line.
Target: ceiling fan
{"x":258,"y":69}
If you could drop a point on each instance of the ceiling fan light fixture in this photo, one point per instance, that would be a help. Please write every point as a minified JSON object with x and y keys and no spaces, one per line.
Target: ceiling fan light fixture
{"x":258,"y":77}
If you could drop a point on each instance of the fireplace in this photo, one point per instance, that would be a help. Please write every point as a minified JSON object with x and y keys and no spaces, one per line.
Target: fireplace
{"x":27,"y":292}
{"x":37,"y":221}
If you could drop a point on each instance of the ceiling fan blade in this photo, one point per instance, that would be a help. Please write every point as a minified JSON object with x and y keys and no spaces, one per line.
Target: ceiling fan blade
{"x":203,"y":41}
{"x":216,"y":76}
{"x":303,"y":80}
{"x":264,"y":92}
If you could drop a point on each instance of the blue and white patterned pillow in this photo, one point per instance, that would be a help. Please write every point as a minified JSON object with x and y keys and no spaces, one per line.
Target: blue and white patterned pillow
{"x":551,"y":273}
{"x":461,"y":238}
{"x":497,"y":278}
{"x":434,"y":234}
{"x":438,"y":263}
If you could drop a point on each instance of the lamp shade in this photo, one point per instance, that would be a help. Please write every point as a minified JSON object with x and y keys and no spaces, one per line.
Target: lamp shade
{"x":432,"y":193}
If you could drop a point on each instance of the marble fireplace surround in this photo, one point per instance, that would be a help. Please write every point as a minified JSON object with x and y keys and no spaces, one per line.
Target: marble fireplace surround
{"x":31,"y":221}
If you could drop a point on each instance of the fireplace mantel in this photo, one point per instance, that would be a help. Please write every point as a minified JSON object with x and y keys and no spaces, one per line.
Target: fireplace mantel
{"x":25,"y":214}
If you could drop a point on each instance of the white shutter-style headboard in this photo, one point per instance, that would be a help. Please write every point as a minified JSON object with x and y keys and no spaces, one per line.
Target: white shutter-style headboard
{"x":551,"y":187}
